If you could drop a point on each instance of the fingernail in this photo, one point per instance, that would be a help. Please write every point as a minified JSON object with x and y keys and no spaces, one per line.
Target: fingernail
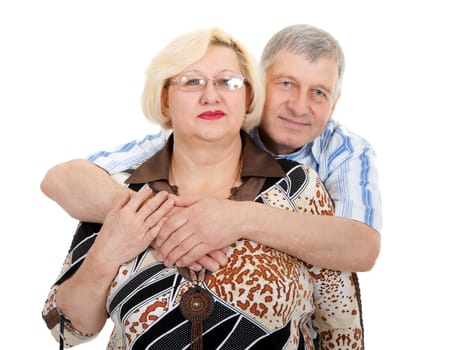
{"x":196,"y":267}
{"x":214,"y":267}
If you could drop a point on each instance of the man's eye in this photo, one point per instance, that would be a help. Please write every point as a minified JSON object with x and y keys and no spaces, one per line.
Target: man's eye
{"x":319,"y":95}
{"x":284,"y":84}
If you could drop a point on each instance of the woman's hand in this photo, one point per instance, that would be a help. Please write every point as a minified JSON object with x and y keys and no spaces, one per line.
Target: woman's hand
{"x":131,"y":226}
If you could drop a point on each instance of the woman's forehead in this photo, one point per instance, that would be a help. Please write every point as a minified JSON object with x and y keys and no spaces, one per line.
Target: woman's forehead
{"x":217,"y":58}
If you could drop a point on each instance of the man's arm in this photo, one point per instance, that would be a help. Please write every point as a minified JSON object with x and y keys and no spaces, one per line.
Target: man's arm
{"x":87,"y":192}
{"x":325,"y":241}
{"x":82,"y":189}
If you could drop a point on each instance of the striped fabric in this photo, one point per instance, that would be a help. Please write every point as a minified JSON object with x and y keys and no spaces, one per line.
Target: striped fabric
{"x":343,"y":160}
{"x":346,"y":164}
{"x":264,"y":298}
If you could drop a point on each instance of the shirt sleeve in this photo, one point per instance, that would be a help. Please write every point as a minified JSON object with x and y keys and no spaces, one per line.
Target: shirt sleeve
{"x":82,"y":240}
{"x":347,"y":167}
{"x":337,"y":316}
{"x":52,"y":316}
{"x":131,"y":154}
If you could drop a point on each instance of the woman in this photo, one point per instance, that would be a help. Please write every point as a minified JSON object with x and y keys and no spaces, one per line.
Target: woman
{"x":206,"y":87}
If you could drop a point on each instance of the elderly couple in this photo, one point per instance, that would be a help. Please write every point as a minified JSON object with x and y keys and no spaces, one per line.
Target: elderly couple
{"x":239,"y":228}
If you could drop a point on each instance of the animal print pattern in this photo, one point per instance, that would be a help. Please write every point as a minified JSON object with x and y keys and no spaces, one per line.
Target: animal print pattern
{"x":336,"y":294}
{"x":267,"y":292}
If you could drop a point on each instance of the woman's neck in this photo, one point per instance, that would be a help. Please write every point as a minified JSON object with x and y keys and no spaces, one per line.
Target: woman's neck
{"x":209,"y":169}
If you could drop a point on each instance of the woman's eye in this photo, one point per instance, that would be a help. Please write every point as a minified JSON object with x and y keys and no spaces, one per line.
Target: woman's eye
{"x":224,"y":81}
{"x":193,"y":82}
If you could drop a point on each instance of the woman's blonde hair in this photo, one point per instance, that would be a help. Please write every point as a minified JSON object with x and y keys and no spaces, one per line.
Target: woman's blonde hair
{"x":184,"y":51}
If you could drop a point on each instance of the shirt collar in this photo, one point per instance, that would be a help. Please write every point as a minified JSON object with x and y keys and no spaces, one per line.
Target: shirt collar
{"x":255,"y":163}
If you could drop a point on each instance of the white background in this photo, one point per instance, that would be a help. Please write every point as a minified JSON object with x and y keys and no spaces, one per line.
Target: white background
{"x":71,"y":75}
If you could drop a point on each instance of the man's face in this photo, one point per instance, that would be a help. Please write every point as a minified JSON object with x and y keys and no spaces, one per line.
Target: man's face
{"x":300,"y":99}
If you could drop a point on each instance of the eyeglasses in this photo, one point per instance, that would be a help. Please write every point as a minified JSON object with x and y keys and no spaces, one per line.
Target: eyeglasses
{"x":228,"y":82}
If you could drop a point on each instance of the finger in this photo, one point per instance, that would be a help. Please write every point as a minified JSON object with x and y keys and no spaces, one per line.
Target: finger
{"x":173,"y":224}
{"x":177,"y":244}
{"x":174,"y":246}
{"x":153,"y":231}
{"x":220,"y":256}
{"x":195,"y":266}
{"x":152,"y":204}
{"x":205,"y":261}
{"x":160,"y":213}
{"x":185,"y":201}
{"x":137,"y":199}
{"x":187,"y":252}
{"x":121,"y":202}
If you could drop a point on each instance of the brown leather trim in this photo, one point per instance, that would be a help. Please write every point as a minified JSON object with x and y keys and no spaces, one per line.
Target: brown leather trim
{"x":52,"y":318}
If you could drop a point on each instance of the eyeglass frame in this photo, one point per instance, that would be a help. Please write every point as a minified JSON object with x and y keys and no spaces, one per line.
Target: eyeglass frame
{"x":200,"y":86}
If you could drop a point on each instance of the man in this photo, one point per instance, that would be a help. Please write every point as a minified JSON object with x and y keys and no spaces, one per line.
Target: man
{"x":304,"y":69}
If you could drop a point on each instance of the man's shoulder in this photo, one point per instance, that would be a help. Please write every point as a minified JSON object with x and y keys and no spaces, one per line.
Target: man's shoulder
{"x":338,"y":138}
{"x":131,"y":154}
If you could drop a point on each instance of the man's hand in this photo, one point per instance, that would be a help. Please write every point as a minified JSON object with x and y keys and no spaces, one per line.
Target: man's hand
{"x":198,"y":229}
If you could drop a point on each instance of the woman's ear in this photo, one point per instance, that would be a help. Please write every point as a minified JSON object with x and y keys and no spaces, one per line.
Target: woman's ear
{"x":249,"y":98}
{"x":164,"y":102}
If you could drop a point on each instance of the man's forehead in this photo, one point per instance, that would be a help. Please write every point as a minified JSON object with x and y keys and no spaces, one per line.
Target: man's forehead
{"x":322,"y":72}
{"x":284,"y":56}
{"x":298,"y":65}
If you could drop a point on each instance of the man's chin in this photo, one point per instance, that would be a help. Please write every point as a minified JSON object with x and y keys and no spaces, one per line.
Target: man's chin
{"x":285,"y":145}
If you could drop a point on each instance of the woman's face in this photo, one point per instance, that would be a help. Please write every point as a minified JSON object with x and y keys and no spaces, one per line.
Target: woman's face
{"x":212,"y":111}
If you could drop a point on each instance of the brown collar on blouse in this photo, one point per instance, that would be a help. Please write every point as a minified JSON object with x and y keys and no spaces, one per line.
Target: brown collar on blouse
{"x":257,"y":166}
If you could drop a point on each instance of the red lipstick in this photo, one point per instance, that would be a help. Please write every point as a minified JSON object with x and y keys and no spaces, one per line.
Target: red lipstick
{"x":212,"y":115}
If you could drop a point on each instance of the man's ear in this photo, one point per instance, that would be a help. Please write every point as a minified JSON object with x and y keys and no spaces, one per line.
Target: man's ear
{"x":335,"y":100}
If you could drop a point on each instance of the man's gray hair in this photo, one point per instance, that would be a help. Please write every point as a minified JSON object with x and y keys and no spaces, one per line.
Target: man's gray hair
{"x":303,"y":39}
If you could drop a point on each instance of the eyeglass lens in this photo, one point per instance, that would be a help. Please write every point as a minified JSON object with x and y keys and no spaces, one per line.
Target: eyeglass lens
{"x":196,"y":82}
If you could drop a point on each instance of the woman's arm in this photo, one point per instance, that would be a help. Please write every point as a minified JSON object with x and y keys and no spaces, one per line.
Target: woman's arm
{"x":129,"y":228}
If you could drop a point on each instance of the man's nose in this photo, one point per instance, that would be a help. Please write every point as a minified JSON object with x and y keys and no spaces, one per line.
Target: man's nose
{"x":299,"y":103}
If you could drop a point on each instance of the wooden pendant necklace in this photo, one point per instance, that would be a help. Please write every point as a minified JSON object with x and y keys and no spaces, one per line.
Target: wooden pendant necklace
{"x":196,"y":305}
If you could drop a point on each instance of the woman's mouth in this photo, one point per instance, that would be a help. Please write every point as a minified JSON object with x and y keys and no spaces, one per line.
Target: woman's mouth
{"x":212,"y":115}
